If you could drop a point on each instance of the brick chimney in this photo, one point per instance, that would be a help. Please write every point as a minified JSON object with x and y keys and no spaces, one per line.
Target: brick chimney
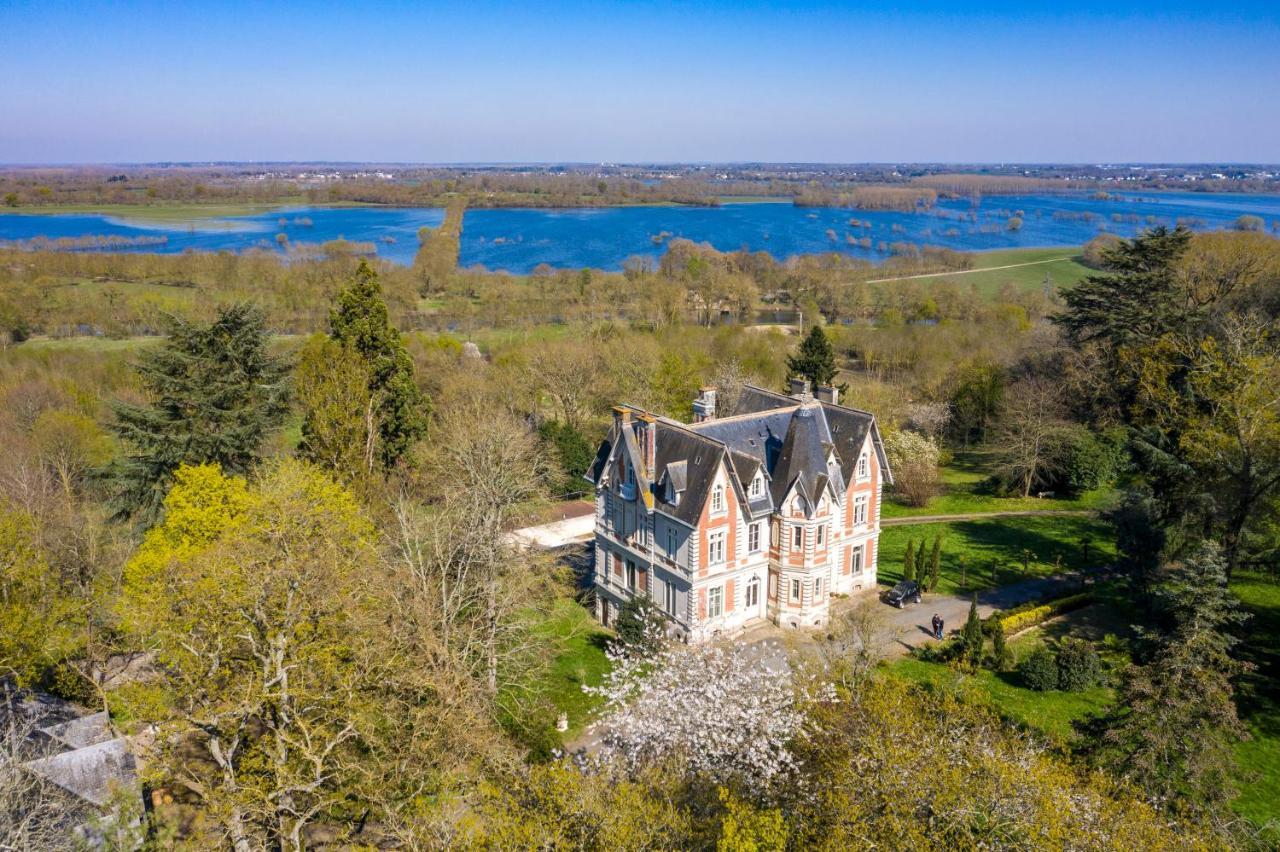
{"x":799,"y":388}
{"x":648,"y":442}
{"x":704,"y":405}
{"x":829,"y":393}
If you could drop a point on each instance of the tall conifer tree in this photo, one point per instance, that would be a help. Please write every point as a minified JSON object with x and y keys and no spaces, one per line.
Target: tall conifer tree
{"x":815,"y":360}
{"x":360,"y":322}
{"x":216,"y":393}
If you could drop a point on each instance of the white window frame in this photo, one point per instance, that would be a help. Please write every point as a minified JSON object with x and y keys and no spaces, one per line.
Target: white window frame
{"x":864,"y":465}
{"x":858,"y":559}
{"x":673,"y":543}
{"x":669,"y":598}
{"x":753,"y":537}
{"x":717,"y":500}
{"x":797,"y":537}
{"x":715,"y":548}
{"x":715,"y":601}
{"x":757,"y":486}
{"x":632,"y":575}
{"x":821,"y":529}
{"x":817,"y":588}
{"x":752,"y":593}
{"x":797,"y":591}
{"x":860,"y":509}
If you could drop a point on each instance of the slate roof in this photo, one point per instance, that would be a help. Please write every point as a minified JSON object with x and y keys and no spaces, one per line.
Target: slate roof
{"x":80,"y":732}
{"x":92,"y":772}
{"x":788,"y":438}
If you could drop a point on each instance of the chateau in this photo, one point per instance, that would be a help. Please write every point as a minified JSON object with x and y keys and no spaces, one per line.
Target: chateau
{"x":765,"y":513}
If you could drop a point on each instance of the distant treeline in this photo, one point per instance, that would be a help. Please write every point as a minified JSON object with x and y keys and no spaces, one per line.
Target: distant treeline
{"x":904,"y":198}
{"x":108,"y":242}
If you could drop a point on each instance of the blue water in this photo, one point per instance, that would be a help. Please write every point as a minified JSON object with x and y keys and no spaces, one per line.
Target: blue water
{"x":520,"y":239}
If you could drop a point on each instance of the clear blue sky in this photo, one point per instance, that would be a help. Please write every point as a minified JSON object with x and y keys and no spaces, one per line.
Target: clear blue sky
{"x":604,"y":81}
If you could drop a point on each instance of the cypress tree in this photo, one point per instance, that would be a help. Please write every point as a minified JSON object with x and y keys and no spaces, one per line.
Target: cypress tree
{"x":360,"y":322}
{"x":909,"y":561}
{"x":999,"y":648}
{"x":815,"y":360}
{"x":935,"y":562}
{"x":971,"y":634}
{"x":215,"y":395}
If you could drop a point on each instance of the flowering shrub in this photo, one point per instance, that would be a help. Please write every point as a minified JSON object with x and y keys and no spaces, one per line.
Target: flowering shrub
{"x":724,"y":712}
{"x":1022,"y":619}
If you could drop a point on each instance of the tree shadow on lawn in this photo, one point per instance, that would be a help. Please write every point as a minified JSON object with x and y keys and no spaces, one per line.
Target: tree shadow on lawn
{"x":1004,"y":541}
{"x":1258,"y":697}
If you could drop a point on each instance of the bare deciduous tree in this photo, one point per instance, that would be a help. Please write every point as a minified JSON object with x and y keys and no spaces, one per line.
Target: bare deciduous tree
{"x":1031,"y":416}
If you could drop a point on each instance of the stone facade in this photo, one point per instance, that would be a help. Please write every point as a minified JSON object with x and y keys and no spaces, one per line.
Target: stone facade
{"x":762,"y":514}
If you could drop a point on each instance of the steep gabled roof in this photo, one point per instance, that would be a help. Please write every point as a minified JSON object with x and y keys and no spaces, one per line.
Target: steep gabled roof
{"x":797,"y":443}
{"x":802,"y":461}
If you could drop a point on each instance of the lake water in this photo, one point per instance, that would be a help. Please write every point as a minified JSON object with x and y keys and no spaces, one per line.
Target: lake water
{"x":520,"y":239}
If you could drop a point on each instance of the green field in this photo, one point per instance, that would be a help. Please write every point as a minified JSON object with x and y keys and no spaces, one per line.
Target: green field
{"x":171,"y":212}
{"x":970,"y":549}
{"x":1062,"y":265}
{"x":962,"y":481}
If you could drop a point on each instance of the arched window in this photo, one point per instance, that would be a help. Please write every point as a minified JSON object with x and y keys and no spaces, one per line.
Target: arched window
{"x":717,"y":498}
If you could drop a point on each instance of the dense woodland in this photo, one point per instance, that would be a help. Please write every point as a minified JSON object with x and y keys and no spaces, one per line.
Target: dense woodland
{"x":256,"y":508}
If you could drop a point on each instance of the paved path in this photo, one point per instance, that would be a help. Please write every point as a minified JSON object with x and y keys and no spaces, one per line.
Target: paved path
{"x":967,"y":271}
{"x":978,"y":516}
{"x":907,"y":628}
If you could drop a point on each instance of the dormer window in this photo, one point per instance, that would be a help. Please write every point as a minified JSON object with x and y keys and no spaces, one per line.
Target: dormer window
{"x":757,"y":487}
{"x":717,"y":498}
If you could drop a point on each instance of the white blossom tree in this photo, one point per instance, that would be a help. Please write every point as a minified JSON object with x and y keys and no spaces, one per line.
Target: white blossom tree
{"x":724,"y":712}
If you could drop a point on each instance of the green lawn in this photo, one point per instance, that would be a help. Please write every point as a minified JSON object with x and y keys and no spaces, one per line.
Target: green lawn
{"x":1259,"y":698}
{"x":1055,"y":543}
{"x":1051,"y":713}
{"x":581,"y":661}
{"x":1061,"y":264}
{"x":961,"y":494}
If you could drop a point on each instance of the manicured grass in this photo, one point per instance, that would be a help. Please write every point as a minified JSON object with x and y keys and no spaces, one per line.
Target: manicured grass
{"x":980,"y":544}
{"x":581,"y":661}
{"x":1259,"y":699}
{"x":1051,"y":713}
{"x":962,"y":482}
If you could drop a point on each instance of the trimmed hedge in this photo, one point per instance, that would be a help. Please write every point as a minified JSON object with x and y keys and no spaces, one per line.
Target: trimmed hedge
{"x":1035,"y":615}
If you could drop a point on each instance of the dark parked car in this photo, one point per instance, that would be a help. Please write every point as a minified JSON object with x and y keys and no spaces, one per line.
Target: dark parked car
{"x":908,"y":591}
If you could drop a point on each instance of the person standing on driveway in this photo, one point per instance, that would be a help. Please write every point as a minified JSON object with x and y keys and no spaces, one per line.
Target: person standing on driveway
{"x":937,"y":626}
{"x":942,"y":625}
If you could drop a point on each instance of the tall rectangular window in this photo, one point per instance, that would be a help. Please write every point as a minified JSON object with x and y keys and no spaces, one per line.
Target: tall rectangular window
{"x":669,"y":598}
{"x":672,"y":543}
{"x":817,"y":588}
{"x":864,"y":468}
{"x":795,"y":591}
{"x":715,"y":601}
{"x":797,"y":537}
{"x":757,"y":487}
{"x":860,"y":509}
{"x":715,"y":548}
{"x":821,"y":529}
{"x":753,"y":538}
{"x":631,"y":575}
{"x":859,"y":554}
{"x":717,"y":499}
